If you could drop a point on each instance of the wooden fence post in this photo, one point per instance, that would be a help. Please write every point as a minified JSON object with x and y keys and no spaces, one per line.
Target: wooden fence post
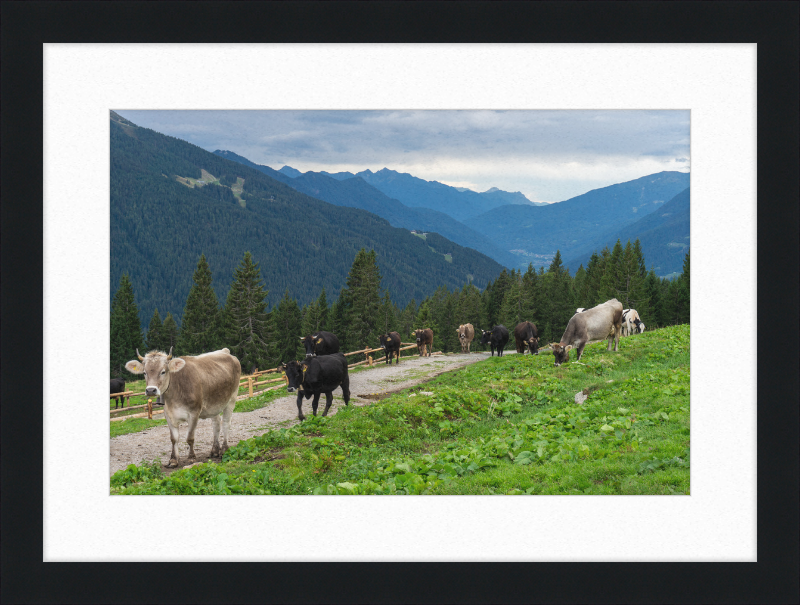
{"x":250,"y":386}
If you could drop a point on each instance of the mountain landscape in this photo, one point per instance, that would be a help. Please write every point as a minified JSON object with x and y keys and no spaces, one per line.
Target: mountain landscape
{"x":172,"y":201}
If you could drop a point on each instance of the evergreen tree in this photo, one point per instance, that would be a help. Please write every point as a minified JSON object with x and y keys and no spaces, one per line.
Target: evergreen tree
{"x":322,"y":304}
{"x":337,"y":324}
{"x":594,"y":275}
{"x":637,"y":250}
{"x":655,"y":318}
{"x":246,"y":318}
{"x":406,"y":321}
{"x":532,"y":301}
{"x":169,"y":332}
{"x":560,"y":299}
{"x":362,"y":299}
{"x":286,"y":323}
{"x":423,"y":319}
{"x":497,"y":294}
{"x":388,"y":320}
{"x":683,"y":293}
{"x":126,"y":331}
{"x":155,"y":334}
{"x":201,"y":327}
{"x":611,"y":274}
{"x":511,"y":310}
{"x":312,"y":318}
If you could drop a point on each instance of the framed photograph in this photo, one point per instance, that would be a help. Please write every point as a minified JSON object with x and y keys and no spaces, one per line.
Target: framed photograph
{"x":714,"y":75}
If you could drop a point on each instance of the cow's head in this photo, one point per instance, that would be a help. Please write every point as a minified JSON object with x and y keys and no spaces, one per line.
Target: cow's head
{"x":293,"y":375}
{"x":310,"y":343}
{"x":419,"y":334}
{"x":157,"y":367}
{"x":486,"y":337}
{"x":560,"y":352}
{"x":533,"y":345}
{"x":640,"y":326}
{"x":385,"y":341}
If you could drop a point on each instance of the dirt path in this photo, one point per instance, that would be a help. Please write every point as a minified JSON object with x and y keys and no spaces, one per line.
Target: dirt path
{"x":365,"y":387}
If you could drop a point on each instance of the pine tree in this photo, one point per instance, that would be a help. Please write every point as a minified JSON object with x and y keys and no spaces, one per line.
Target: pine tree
{"x":560,"y":298}
{"x":155,"y":333}
{"x":201,"y":328}
{"x":246,"y":318}
{"x":362,"y":299}
{"x":611,"y":274}
{"x":637,"y":250}
{"x":683,"y":293}
{"x":406,"y":321}
{"x":388,"y":320}
{"x":322,"y":304}
{"x":655,"y":318}
{"x":169,"y":331}
{"x":511,"y":310}
{"x":286,"y":324}
{"x":126,"y":331}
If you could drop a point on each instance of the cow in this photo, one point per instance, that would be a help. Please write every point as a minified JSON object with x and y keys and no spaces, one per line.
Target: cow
{"x":320,"y":343}
{"x":391,"y":346}
{"x":631,"y":322}
{"x":118,"y":386}
{"x":465,"y":335}
{"x":597,"y":323}
{"x":314,"y":376}
{"x":192,"y":387}
{"x":424,"y":340}
{"x":497,"y":337}
{"x":525,"y":335}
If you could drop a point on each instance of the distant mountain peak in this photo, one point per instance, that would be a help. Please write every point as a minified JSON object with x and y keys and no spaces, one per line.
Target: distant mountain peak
{"x":289,"y":171}
{"x":492,"y":190}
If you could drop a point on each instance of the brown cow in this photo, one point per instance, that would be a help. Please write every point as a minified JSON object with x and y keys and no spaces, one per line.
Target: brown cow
{"x":525,"y":335}
{"x":602,"y":321}
{"x":192,"y":388}
{"x":424,"y":337}
{"x":465,"y":335}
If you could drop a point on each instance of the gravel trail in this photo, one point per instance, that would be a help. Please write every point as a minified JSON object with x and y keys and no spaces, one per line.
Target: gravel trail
{"x":365,"y":387}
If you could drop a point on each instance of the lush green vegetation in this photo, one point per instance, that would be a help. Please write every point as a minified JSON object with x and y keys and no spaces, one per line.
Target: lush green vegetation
{"x":506,"y":425}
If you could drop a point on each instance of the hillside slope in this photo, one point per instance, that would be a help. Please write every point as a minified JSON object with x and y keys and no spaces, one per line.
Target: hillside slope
{"x":354,"y":192}
{"x":171,"y":201}
{"x":663,"y":235}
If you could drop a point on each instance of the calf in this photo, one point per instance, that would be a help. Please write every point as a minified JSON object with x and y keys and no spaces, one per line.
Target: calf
{"x":391,"y":346}
{"x":424,"y":339}
{"x":118,"y":386}
{"x":525,"y":335}
{"x":314,"y":376}
{"x":192,"y":388}
{"x":497,"y":337}
{"x":320,"y":343}
{"x":597,"y":323}
{"x":631,"y":322}
{"x":465,"y":335}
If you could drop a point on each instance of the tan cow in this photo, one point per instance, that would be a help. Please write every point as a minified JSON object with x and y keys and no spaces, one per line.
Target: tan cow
{"x":600,"y":322}
{"x":465,"y":335}
{"x":192,"y":388}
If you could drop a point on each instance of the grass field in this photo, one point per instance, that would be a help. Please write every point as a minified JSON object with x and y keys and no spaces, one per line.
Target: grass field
{"x":506,"y":425}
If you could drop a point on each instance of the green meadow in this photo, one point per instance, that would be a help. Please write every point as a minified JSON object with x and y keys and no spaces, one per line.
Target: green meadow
{"x":506,"y":425}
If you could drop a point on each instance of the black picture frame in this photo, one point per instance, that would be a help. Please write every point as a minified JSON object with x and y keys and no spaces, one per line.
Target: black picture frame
{"x":772,"y":25}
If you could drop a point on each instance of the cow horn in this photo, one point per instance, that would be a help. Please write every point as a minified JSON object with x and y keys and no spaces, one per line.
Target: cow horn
{"x":169,"y":355}
{"x":302,"y":339}
{"x":139,"y":356}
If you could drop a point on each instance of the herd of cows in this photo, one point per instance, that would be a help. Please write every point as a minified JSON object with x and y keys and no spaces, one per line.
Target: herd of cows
{"x":206,"y":386}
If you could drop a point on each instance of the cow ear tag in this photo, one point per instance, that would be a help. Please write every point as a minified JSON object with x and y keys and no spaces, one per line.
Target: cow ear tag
{"x":319,"y":341}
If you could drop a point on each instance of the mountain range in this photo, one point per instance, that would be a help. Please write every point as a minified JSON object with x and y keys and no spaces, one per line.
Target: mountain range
{"x":172,"y":201}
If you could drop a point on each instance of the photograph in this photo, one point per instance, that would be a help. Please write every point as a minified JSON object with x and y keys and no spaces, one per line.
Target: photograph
{"x":491,"y":302}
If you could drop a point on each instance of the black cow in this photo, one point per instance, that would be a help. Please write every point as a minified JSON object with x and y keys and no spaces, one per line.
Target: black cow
{"x":497,"y":337}
{"x":317,"y":375}
{"x":525,"y":335}
{"x":391,"y":346}
{"x":320,"y":343}
{"x":118,"y":386}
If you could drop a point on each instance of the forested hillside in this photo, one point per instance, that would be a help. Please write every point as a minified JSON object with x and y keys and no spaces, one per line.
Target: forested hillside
{"x":664,"y":236}
{"x":172,"y":201}
{"x":354,"y":192}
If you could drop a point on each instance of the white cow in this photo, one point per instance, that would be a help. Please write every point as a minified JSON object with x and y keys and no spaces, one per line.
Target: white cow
{"x":631,"y":322}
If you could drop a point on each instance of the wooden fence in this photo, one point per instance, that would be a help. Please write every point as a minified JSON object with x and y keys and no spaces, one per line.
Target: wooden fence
{"x":251,"y":382}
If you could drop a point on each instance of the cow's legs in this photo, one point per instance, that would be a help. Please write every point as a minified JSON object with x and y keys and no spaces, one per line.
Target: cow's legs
{"x":300,"y":406}
{"x":193,"y":418}
{"x":173,"y":435}
{"x":315,"y":403}
{"x":328,"y":402}
{"x":580,"y":351}
{"x":215,"y":443}
{"x":226,"y":422}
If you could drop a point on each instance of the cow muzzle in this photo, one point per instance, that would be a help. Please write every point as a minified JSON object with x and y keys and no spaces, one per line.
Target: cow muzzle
{"x":152,"y":391}
{"x":291,"y":389}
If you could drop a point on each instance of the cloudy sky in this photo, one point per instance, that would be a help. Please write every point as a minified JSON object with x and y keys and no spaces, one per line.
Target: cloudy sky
{"x":549,"y":156}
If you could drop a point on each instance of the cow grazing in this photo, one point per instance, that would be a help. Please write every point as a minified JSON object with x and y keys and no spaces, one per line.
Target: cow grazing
{"x":320,"y":343}
{"x":192,"y":388}
{"x":597,"y":323}
{"x":525,"y":335}
{"x":118,"y":386}
{"x":391,"y":346}
{"x":497,"y":337}
{"x":424,"y":341}
{"x":465,"y":335}
{"x":631,"y":322}
{"x":314,"y":376}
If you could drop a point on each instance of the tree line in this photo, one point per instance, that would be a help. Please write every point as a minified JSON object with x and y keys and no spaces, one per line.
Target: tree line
{"x":264,"y":338}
